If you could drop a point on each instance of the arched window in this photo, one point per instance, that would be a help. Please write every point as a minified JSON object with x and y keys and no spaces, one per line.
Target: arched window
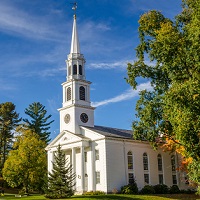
{"x":69,"y":71}
{"x":69,"y":92}
{"x":80,"y":70}
{"x":159,"y":157}
{"x":130,"y":160}
{"x":82,"y":93}
{"x":145,"y":161}
{"x":173,"y":163}
{"x":74,"y":69}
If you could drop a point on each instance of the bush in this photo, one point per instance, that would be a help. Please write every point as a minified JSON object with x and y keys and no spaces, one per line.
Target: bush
{"x":174,"y":189}
{"x":130,"y":189}
{"x":147,"y":189}
{"x":161,"y":189}
{"x":188,"y":191}
{"x":57,"y":196}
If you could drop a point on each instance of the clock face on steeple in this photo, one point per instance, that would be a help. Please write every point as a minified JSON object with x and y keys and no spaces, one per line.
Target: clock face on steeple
{"x":84,"y":117}
{"x":67,"y":118}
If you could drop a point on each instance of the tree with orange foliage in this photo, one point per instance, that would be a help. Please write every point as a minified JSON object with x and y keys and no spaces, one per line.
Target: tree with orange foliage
{"x":171,"y":110}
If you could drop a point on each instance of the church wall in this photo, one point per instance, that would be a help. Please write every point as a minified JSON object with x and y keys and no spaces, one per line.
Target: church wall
{"x":117,"y":165}
{"x":116,"y":174}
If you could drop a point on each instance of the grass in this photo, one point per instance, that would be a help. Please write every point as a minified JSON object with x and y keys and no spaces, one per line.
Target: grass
{"x":112,"y":197}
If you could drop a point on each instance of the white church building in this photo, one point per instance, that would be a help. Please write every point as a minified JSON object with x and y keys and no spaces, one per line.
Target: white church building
{"x":104,"y":158}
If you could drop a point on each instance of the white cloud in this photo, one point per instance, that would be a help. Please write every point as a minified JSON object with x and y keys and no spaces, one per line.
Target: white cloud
{"x":103,"y":27}
{"x":114,"y":65}
{"x":15,"y":21}
{"x":5,"y":86}
{"x":129,"y":94}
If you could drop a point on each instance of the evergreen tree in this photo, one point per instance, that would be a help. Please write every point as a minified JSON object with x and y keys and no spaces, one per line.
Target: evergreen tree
{"x":38,"y":122}
{"x":61,"y":180}
{"x":9,"y":119}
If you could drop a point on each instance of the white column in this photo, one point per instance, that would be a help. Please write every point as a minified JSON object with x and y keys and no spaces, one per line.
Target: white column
{"x":93,"y":188}
{"x":74,"y":162}
{"x":50,"y":160}
{"x":82,"y":169}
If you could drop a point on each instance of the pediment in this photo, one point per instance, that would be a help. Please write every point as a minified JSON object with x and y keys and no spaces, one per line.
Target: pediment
{"x":66,"y":137}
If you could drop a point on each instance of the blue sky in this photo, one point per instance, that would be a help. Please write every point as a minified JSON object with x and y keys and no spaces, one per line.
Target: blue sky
{"x":35,"y":40}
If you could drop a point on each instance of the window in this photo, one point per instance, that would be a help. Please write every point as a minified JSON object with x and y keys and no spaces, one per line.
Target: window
{"x":130,"y":178}
{"x":146,"y":178}
{"x":82,"y":93}
{"x":160,"y":177}
{"x":80,"y":70}
{"x":85,"y":155}
{"x":130,"y":160}
{"x":174,"y":181}
{"x":97,"y":154}
{"x":145,"y":161}
{"x":173,"y":163}
{"x":97,"y":177}
{"x":69,"y":93}
{"x":74,"y":69}
{"x":159,"y":162}
{"x":69,"y":71}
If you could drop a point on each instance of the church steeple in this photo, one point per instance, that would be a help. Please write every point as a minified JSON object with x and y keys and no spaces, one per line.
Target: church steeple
{"x":76,"y":108}
{"x":76,"y":60}
{"x":75,"y":47}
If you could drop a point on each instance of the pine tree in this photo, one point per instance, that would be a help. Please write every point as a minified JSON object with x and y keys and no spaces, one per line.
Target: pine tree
{"x":9,"y":119}
{"x":61,"y":179}
{"x":38,"y":122}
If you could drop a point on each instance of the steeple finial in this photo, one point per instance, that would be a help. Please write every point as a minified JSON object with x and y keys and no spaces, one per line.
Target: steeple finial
{"x":75,"y":48}
{"x":74,"y":7}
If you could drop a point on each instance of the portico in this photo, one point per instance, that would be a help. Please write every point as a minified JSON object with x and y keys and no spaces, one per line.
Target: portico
{"x":79,"y":152}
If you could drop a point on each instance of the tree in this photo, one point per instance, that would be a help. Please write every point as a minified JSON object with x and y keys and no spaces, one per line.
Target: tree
{"x":171,"y":111}
{"x":61,"y":179}
{"x":26,"y":164}
{"x":9,"y":119}
{"x":39,"y":121}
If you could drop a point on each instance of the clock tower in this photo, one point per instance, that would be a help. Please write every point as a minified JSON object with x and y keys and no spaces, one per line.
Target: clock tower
{"x":76,"y":107}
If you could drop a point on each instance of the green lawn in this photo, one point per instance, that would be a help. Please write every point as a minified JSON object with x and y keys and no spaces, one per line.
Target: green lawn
{"x":112,"y":197}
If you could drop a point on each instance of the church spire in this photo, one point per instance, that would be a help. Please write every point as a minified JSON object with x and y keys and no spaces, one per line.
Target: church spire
{"x":75,"y":47}
{"x":76,"y":60}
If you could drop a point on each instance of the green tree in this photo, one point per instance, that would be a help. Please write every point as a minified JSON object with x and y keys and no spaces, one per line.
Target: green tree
{"x":61,"y":179}
{"x":39,"y":121}
{"x":172,"y":108}
{"x":26,"y":164}
{"x":9,"y":119}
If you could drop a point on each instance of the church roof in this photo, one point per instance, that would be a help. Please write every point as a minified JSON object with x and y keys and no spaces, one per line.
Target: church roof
{"x":112,"y":132}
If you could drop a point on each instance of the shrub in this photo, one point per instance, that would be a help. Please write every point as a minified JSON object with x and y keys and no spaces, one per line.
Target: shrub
{"x":130,"y":189}
{"x":174,"y":189}
{"x":147,"y":189}
{"x":161,"y":189}
{"x":188,"y":191}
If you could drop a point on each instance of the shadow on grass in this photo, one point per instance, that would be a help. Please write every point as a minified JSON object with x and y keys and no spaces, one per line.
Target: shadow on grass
{"x":106,"y":197}
{"x":138,"y":197}
{"x":181,"y":196}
